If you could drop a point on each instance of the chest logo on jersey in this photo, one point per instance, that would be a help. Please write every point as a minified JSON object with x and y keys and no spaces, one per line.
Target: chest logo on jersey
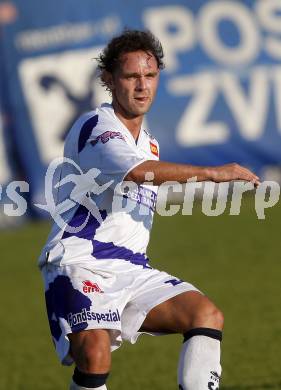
{"x":90,"y":287}
{"x":106,"y":136}
{"x":154,"y":149}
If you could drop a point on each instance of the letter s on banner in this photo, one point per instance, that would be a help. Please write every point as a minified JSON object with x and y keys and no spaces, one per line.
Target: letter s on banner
{"x":268,"y":13}
{"x":209,"y":18}
{"x":20,"y":202}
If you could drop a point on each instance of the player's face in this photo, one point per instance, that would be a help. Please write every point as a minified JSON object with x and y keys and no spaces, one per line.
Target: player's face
{"x":134,"y":83}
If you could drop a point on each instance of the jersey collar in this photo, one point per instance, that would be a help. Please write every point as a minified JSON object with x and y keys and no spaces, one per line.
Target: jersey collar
{"x":125,"y":130}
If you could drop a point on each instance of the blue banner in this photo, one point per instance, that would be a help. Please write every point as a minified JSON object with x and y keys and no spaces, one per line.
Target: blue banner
{"x":219,"y":98}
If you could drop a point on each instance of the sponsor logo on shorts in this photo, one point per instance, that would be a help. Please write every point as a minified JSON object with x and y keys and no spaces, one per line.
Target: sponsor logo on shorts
{"x":90,"y":287}
{"x":88,"y":315}
{"x":174,"y":282}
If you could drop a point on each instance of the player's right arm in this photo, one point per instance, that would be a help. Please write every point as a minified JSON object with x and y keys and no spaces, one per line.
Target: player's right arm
{"x":166,"y":171}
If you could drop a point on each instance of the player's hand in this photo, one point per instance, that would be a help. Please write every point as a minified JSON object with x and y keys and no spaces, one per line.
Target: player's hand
{"x":233,"y":171}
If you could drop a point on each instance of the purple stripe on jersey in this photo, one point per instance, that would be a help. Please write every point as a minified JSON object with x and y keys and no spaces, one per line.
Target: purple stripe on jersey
{"x":89,"y":231}
{"x":107,"y":250}
{"x":86,"y":131}
{"x":101,"y":250}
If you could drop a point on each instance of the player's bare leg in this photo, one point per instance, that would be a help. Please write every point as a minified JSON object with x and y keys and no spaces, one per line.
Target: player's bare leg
{"x":90,"y":350}
{"x":183,"y":312}
{"x":201,"y":323}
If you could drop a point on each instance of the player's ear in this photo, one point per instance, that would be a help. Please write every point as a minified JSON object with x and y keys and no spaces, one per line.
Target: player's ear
{"x":108,"y":80}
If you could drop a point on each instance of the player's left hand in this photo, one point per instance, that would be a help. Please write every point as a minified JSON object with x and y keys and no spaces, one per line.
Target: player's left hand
{"x":233,"y":171}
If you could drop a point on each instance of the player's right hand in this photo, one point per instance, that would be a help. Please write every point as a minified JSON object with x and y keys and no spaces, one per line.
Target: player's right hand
{"x":231,"y":172}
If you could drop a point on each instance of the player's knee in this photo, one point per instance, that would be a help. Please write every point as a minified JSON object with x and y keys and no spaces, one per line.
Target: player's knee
{"x":209,"y":316}
{"x":219,"y":319}
{"x":213,"y":316}
{"x":95,"y":359}
{"x":91,"y":354}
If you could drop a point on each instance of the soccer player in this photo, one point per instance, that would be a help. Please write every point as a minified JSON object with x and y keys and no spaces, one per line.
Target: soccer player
{"x":100,"y":288}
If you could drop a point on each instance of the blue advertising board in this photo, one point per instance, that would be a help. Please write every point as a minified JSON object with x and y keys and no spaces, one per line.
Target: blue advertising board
{"x":219,"y":98}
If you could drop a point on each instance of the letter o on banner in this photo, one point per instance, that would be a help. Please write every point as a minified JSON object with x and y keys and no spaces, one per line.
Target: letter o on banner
{"x":209,"y":18}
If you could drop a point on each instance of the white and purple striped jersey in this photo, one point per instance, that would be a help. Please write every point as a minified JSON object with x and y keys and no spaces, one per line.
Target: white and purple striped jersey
{"x":97,"y":218}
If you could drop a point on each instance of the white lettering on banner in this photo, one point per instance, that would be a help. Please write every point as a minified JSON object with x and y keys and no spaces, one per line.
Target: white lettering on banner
{"x":203,"y":30}
{"x":67,"y":33}
{"x":160,"y":19}
{"x":250,"y":113}
{"x":209,"y":18}
{"x":268,"y":13}
{"x":193,"y":128}
{"x":246,"y":94}
{"x":56,"y":98}
{"x":276,"y":76}
{"x":4,"y":168}
{"x":250,"y":110}
{"x":14,"y":196}
{"x":58,"y":88}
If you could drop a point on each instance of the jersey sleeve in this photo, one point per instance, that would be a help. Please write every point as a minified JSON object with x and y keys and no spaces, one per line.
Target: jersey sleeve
{"x":112,"y":155}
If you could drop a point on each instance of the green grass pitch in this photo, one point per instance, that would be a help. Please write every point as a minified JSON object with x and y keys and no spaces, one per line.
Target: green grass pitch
{"x":235,"y":260}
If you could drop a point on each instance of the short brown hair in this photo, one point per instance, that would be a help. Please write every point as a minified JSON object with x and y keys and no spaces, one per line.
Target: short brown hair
{"x":130,"y":41}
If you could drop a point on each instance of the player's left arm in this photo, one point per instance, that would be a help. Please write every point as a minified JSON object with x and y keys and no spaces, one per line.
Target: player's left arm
{"x":166,"y":171}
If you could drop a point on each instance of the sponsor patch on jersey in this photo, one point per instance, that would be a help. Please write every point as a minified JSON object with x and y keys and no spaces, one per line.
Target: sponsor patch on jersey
{"x":144,"y":196}
{"x":106,"y":136}
{"x":90,"y":287}
{"x":154,"y":149}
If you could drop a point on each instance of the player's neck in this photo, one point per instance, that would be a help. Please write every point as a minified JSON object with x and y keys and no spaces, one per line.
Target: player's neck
{"x":133,"y":124}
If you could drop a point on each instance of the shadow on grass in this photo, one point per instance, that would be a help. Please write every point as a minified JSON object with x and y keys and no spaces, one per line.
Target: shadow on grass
{"x":260,"y":386}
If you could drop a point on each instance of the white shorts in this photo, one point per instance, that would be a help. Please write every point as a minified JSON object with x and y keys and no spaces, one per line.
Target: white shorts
{"x":104,"y":294}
